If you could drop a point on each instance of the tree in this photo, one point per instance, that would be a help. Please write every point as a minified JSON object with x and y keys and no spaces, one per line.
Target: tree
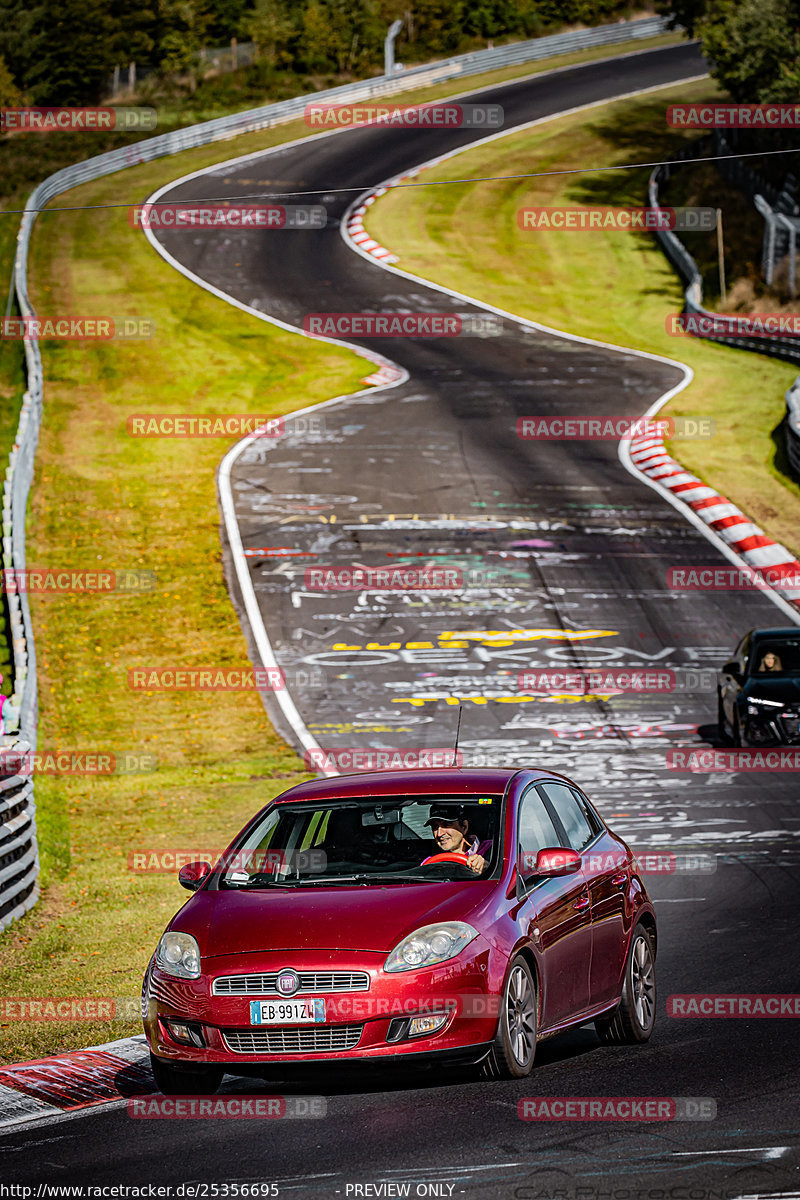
{"x":754,"y":48}
{"x":439,"y":24}
{"x":225,"y":20}
{"x":70,"y":52}
{"x":272,"y":30}
{"x":683,"y":13}
{"x":10,"y":95}
{"x":182,"y":26}
{"x":340,"y":34}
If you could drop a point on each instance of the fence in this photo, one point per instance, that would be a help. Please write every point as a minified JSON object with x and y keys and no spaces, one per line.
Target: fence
{"x":776,"y":347}
{"x":20,"y":471}
{"x":793,"y":426}
{"x":220,"y":60}
{"x":19,"y":857}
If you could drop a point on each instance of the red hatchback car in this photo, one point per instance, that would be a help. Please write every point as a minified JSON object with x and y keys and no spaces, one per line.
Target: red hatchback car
{"x":335,"y":928}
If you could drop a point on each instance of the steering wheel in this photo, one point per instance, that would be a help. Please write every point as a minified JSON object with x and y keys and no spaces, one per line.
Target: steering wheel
{"x":450,"y":856}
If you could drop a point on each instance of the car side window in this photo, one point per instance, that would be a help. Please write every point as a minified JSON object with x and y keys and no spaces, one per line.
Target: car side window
{"x":536,"y":828}
{"x":571,"y":814}
{"x":742,"y":651}
{"x":590,"y":814}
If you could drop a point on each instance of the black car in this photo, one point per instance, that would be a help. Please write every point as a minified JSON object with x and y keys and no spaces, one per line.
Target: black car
{"x":758,"y":691}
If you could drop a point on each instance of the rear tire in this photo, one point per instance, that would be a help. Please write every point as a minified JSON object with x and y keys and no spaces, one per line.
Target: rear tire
{"x":632,"y":1022}
{"x":177,"y":1081}
{"x":514,"y":1049}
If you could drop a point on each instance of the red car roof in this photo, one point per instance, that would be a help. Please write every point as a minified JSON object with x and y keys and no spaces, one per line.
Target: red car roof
{"x":440,"y":782}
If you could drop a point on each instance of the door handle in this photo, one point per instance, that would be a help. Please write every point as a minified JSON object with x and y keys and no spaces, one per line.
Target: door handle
{"x":619,"y":878}
{"x":582,"y":903}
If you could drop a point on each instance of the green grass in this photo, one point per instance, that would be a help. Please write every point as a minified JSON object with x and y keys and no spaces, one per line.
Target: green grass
{"x":616,"y":287}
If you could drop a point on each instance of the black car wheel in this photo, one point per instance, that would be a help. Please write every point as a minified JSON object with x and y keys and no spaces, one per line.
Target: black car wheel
{"x":635,"y":1017}
{"x":721,"y":722}
{"x":737,"y":730}
{"x":514,"y":1049}
{"x":181,"y":1081}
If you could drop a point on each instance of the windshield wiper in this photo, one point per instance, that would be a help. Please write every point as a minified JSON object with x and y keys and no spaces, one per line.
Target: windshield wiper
{"x":260,"y":880}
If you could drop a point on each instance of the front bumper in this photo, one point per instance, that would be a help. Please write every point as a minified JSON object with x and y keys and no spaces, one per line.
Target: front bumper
{"x":771,"y":727}
{"x":359,"y":1026}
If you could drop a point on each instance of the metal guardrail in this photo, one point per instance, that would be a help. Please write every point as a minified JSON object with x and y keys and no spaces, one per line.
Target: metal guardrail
{"x":793,"y":426}
{"x":786,"y":348}
{"x":19,"y":857}
{"x":19,"y":889}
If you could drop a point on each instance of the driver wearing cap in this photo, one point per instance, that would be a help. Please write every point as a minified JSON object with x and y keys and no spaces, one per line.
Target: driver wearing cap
{"x":449,"y":825}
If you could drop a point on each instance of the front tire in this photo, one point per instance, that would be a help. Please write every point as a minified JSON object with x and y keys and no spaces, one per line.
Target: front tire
{"x":721,"y":722}
{"x":737,"y":731}
{"x":514,"y":1049}
{"x":176,"y":1081}
{"x":632,"y":1022}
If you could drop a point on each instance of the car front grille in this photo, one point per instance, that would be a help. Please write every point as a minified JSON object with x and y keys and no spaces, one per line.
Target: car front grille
{"x":291,"y":1041}
{"x":310,"y":981}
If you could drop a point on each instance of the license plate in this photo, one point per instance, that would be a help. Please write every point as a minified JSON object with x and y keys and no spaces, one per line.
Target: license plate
{"x":307,"y":1011}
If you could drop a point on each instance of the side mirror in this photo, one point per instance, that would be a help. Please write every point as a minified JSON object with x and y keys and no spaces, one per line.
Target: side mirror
{"x":193,"y":874}
{"x":550,"y":863}
{"x":733,"y":669}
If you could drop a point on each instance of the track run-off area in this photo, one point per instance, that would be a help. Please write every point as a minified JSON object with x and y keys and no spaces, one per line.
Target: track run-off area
{"x":564,"y":556}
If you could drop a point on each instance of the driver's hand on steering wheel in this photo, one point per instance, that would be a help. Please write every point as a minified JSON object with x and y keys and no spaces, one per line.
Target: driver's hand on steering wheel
{"x":476,"y":863}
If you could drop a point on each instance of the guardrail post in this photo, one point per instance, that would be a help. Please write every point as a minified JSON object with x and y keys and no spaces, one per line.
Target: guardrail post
{"x":388,"y":47}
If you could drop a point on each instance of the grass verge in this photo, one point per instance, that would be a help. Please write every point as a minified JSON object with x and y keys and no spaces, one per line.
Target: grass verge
{"x":104,"y":500}
{"x":616,"y":287}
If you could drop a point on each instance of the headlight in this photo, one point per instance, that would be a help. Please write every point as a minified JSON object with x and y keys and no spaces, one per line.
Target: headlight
{"x":756,"y":705}
{"x":179,"y":954}
{"x":429,"y":945}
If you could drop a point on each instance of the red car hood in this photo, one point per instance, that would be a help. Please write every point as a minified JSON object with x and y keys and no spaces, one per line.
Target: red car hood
{"x":371,"y":917}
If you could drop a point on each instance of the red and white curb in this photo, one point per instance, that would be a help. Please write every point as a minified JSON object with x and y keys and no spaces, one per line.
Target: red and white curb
{"x":356,"y":230}
{"x":649,"y":456}
{"x":48,"y":1088}
{"x":358,"y":234}
{"x":385,"y":374}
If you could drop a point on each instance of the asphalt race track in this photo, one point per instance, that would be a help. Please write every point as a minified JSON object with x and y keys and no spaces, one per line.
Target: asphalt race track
{"x":564,"y":557}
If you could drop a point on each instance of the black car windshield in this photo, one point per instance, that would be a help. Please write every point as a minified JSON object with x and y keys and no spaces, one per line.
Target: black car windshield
{"x":363,"y":841}
{"x":769,"y":658}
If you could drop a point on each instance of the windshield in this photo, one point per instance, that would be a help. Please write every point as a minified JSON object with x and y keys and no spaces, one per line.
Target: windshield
{"x":364,"y":841}
{"x":775,"y":658}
